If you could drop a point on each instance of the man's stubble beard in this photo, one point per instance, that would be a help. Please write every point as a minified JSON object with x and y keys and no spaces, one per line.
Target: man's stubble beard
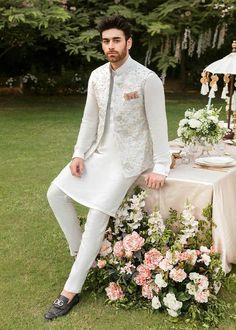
{"x":117,"y":56}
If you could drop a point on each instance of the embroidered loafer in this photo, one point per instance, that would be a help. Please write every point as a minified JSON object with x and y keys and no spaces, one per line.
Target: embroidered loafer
{"x":61,"y":307}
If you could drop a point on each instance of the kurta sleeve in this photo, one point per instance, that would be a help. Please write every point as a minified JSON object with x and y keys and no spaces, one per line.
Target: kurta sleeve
{"x":88,"y":128}
{"x":156,"y":116}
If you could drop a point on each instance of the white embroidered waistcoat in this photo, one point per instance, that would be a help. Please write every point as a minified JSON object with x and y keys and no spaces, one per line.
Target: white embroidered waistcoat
{"x":131,"y":130}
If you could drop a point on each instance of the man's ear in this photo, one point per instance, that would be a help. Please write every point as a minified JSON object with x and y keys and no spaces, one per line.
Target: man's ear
{"x":129,"y":43}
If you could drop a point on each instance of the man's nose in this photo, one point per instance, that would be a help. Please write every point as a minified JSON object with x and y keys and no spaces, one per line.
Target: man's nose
{"x":111,"y":45}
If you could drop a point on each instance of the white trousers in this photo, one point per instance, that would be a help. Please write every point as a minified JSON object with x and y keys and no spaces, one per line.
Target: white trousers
{"x":85,"y":246}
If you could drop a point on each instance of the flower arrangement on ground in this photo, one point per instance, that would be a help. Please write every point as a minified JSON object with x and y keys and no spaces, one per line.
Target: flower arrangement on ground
{"x":166,"y":265}
{"x":201,"y":126}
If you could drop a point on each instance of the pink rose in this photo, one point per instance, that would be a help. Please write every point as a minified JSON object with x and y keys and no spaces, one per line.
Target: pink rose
{"x":178,"y":275}
{"x":165,"y":265}
{"x":101,"y":263}
{"x":128,"y":254}
{"x":114,"y":291}
{"x":189,"y":256}
{"x":140,"y":279}
{"x":184,"y":256}
{"x":147,"y":291}
{"x":202,"y":283}
{"x":142,"y":269}
{"x":133,"y":242}
{"x":105,"y":248}
{"x":143,"y":276}
{"x":118,"y":249}
{"x":202,"y":296}
{"x":148,"y":288}
{"x":152,"y":258}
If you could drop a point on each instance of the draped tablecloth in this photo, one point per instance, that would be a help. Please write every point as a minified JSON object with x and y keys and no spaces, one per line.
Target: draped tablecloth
{"x":200,"y":187}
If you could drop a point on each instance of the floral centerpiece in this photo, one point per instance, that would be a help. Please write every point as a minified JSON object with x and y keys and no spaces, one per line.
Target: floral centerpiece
{"x":201,"y":126}
{"x":166,"y":265}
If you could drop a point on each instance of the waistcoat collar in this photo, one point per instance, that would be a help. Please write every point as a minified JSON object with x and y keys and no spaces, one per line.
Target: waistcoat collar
{"x":124,"y":68}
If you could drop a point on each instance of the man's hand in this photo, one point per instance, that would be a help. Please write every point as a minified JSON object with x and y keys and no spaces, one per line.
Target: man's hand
{"x":77,"y":166}
{"x":154,"y":180}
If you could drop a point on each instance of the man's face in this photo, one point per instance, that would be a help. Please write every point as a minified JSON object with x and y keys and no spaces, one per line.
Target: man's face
{"x":115,"y":46}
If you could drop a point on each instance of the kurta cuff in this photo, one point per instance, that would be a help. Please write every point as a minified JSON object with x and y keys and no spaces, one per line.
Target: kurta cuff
{"x":78,"y":154}
{"x":161,"y":169}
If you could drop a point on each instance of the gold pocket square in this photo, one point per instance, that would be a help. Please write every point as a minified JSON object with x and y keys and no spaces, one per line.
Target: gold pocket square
{"x":131,"y":96}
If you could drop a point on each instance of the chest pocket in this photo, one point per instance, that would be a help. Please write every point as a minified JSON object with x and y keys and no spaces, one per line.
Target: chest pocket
{"x":133,"y":99}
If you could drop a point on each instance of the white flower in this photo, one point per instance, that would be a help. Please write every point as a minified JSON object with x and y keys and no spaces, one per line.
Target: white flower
{"x":159,"y":281}
{"x":202,"y":296}
{"x":194,"y":123}
{"x":204,"y":249}
{"x":206,"y":259}
{"x":198,"y":114}
{"x":122,"y":213}
{"x":202,"y":125}
{"x":138,"y":201}
{"x":188,"y":113}
{"x":183,"y":122}
{"x":171,"y":302}
{"x":127,"y":268}
{"x":191,"y":288}
{"x":194,"y":276}
{"x":178,"y":275}
{"x":165,"y":265}
{"x":172,"y":257}
{"x":190,"y":224}
{"x":214,"y":119}
{"x":172,"y":312}
{"x":156,"y":302}
{"x":202,"y":282}
{"x":179,"y":131}
{"x":183,"y":239}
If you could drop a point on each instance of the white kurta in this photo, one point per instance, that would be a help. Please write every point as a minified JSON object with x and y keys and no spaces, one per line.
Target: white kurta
{"x":103,"y":184}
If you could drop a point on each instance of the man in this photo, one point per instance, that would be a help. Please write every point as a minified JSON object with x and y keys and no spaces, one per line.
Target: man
{"x":123,"y":134}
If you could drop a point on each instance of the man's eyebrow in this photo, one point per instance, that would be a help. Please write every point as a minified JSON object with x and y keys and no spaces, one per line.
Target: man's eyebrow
{"x":114,"y":38}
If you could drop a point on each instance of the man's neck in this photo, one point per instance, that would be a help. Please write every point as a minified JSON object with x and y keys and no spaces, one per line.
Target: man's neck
{"x":116,"y":65}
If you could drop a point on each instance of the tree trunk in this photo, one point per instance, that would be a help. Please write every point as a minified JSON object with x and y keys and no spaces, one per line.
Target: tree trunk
{"x":183,"y":69}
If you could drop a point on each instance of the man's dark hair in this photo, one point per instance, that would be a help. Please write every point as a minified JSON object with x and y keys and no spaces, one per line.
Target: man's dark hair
{"x":115,"y":22}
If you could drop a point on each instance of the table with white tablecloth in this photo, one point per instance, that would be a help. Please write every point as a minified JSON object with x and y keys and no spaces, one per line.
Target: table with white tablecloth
{"x":201,"y":186}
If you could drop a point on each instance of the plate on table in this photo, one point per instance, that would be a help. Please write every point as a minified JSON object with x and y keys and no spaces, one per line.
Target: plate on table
{"x":216,"y":161}
{"x":230,"y":142}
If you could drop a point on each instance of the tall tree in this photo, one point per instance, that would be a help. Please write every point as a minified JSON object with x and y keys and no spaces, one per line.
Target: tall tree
{"x":169,"y":32}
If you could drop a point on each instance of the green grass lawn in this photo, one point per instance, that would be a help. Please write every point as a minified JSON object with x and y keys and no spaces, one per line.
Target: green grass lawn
{"x":37,"y":135}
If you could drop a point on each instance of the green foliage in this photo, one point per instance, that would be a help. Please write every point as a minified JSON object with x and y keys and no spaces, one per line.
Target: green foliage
{"x":165,"y":62}
{"x":159,"y":27}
